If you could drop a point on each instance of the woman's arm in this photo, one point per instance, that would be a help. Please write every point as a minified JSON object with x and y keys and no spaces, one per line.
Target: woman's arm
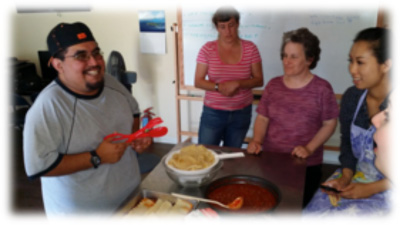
{"x":343,"y":181}
{"x":229,"y":88}
{"x":260,"y":128}
{"x":364,"y":190}
{"x":257,"y":79}
{"x":200,"y":78}
{"x":347,"y":109}
{"x":323,"y":134}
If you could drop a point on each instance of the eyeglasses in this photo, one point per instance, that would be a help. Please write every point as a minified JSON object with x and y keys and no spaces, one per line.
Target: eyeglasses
{"x":84,"y":56}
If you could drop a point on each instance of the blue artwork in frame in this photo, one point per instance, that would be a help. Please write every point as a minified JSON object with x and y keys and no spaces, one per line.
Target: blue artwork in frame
{"x":152,"y":21}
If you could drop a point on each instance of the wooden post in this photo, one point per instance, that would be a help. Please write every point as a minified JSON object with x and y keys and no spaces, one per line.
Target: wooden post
{"x":382,"y":20}
{"x":177,"y":88}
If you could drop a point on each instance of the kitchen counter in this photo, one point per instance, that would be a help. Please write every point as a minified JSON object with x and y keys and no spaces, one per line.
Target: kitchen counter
{"x":285,"y":171}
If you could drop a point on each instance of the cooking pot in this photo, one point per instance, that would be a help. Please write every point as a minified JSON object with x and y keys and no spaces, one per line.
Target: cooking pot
{"x":259,"y":195}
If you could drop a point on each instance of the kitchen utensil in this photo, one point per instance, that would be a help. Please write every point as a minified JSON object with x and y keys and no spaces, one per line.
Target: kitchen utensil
{"x":230,"y":155}
{"x":146,"y":131}
{"x":234,"y":205}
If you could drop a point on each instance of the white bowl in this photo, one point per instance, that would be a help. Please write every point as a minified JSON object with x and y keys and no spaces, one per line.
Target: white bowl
{"x":191,"y":172}
{"x":192,"y":178}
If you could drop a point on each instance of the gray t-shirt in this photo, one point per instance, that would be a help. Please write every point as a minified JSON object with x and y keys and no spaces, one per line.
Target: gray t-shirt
{"x":61,"y":122}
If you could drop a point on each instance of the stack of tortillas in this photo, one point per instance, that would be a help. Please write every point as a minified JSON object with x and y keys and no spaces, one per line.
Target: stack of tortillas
{"x":161,"y":207}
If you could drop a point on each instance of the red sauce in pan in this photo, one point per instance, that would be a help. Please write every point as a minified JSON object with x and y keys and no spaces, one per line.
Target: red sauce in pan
{"x":255,"y":198}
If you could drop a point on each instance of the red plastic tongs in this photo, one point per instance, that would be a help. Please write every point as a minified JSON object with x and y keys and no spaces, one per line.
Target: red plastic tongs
{"x":146,"y":131}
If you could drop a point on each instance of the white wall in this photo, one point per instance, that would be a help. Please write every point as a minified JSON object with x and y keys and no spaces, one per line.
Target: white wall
{"x":114,"y":29}
{"x":118,"y":29}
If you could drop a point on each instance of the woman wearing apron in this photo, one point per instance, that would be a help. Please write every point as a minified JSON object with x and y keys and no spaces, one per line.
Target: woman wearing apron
{"x":362,"y":189}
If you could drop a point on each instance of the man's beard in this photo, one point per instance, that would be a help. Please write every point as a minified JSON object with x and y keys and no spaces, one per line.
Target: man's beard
{"x":95,"y":86}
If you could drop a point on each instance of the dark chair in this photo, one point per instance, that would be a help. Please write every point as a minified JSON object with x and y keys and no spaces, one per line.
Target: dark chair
{"x":20,"y":108}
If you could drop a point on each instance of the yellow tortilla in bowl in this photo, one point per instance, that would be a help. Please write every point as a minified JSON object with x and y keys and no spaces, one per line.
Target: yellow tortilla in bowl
{"x":192,"y":166}
{"x":192,"y":159}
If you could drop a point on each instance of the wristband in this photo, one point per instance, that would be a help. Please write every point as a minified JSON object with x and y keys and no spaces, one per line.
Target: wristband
{"x":95,"y":159}
{"x":216,"y":87}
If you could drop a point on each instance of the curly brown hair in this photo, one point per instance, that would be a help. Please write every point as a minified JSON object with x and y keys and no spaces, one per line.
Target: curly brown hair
{"x":309,"y":41}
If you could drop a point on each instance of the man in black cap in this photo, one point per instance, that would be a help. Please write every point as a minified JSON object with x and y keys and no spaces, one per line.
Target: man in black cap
{"x":65,"y":127}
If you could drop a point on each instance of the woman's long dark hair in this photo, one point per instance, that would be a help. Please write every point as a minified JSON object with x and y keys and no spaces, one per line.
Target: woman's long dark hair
{"x":378,"y":38}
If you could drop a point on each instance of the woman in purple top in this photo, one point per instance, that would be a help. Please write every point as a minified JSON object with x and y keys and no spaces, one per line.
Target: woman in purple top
{"x":298,"y":111}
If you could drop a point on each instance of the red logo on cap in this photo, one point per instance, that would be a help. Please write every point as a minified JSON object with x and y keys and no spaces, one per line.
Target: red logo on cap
{"x":81,"y":36}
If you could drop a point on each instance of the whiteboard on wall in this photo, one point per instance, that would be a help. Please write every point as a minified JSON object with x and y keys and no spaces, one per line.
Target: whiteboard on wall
{"x":336,"y":31}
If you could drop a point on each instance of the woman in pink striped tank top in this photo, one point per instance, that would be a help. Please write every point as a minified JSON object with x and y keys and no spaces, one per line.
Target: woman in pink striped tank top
{"x":233,"y":68}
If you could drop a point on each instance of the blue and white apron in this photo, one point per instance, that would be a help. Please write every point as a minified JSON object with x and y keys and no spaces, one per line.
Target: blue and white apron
{"x":366,"y":172}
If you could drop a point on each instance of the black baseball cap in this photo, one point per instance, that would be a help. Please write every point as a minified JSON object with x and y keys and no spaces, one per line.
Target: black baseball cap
{"x":64,"y":35}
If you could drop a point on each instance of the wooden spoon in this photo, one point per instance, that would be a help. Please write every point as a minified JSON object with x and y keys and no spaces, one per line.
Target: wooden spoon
{"x":234,"y":205}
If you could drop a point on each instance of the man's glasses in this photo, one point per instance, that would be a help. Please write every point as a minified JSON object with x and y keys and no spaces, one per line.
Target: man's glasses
{"x":84,"y":56}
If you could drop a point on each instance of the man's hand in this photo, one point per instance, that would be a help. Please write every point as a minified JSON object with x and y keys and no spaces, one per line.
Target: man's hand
{"x":141,"y":144}
{"x":110,"y":152}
